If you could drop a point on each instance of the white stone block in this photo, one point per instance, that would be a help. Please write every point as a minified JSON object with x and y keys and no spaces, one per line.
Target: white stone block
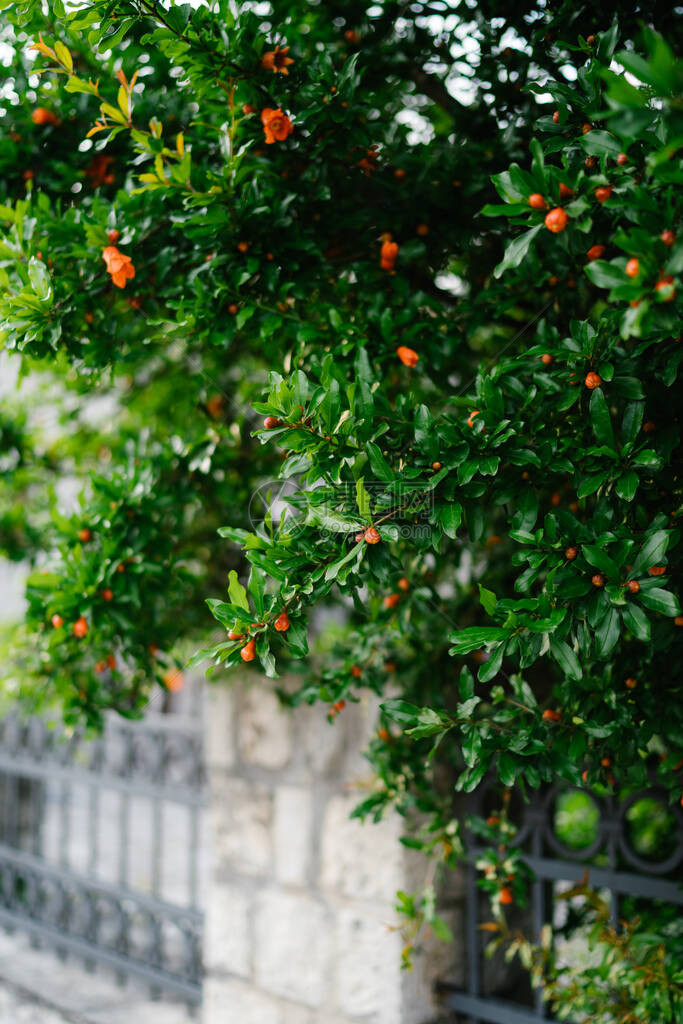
{"x":361,"y":722}
{"x":219,"y":727}
{"x":228,"y":1001}
{"x":292,"y":947}
{"x":293,"y":834}
{"x":360,"y":860}
{"x":264,"y":729}
{"x":368,"y":965}
{"x":227,"y":934}
{"x":320,"y":742}
{"x":293,"y":1014}
{"x":434,"y":961}
{"x":241,"y":826}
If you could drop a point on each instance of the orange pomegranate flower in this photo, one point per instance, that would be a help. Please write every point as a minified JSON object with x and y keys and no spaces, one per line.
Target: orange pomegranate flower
{"x":41,"y":115}
{"x":408,"y":356}
{"x":276,"y":60}
{"x":368,"y":163}
{"x":388,"y":254}
{"x":276,"y":125}
{"x":174,"y":680}
{"x":118,"y":265}
{"x":98,"y":169}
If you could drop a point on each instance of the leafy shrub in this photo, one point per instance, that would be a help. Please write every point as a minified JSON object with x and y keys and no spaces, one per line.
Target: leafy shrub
{"x":423,"y":267}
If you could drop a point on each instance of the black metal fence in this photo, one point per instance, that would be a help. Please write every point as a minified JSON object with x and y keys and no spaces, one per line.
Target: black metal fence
{"x":632,"y":848}
{"x":101,"y":845}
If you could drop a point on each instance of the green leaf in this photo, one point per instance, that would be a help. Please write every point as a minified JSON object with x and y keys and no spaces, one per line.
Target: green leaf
{"x":659,"y":600}
{"x":332,"y":570}
{"x":651,"y":553}
{"x":517,"y":250}
{"x":450,"y":517}
{"x":257,"y":585}
{"x":401,"y":711}
{"x":362,"y":499}
{"x":632,"y":422}
{"x":471,"y":639}
{"x":470,"y":779}
{"x":39,"y":278}
{"x":44,"y":580}
{"x":628,"y":387}
{"x":598,"y":558}
{"x":627,"y":485}
{"x":244,"y":314}
{"x":296,"y":638}
{"x":607,"y":633}
{"x":476,"y":522}
{"x":636,"y":621}
{"x":80,"y":85}
{"x":492,"y":667}
{"x":379,"y":465}
{"x":599,"y":143}
{"x":465,"y":684}
{"x":600,"y":419}
{"x":606,"y":275}
{"x":526,"y":511}
{"x":647,"y":458}
{"x":566,"y":659}
{"x":471,"y":745}
{"x":236,"y":591}
{"x":64,"y":56}
{"x":507,"y":768}
{"x":512,"y":187}
{"x":423,"y":424}
{"x":577,"y":746}
{"x":429,"y":722}
{"x":329,"y":519}
{"x":442,"y":930}
{"x":488,"y":599}
{"x":265,"y":656}
{"x":364,"y":404}
{"x":504,"y":209}
{"x":590,"y":484}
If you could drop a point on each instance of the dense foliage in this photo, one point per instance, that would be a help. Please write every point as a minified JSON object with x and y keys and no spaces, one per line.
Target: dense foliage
{"x":415,"y":271}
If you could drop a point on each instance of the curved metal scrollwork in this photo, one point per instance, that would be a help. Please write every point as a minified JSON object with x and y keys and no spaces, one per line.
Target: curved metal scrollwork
{"x":613,"y":844}
{"x":157,"y":753}
{"x":614,"y":854}
{"x":84,"y":862}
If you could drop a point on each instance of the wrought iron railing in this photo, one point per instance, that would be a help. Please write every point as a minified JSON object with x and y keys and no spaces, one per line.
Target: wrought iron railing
{"x":614,"y":864}
{"x":101,"y":845}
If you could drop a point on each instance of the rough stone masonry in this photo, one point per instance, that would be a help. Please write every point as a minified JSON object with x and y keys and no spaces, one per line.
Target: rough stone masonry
{"x":300,"y":909}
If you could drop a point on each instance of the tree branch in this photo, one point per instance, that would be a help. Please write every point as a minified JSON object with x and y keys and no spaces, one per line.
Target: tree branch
{"x":434,"y":88}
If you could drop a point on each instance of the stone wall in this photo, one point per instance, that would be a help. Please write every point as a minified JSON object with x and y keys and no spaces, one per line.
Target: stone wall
{"x":300,"y":918}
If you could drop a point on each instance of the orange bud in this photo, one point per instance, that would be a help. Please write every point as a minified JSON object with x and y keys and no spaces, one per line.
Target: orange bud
{"x":408,"y":356}
{"x":80,"y":627}
{"x":556,"y":220}
{"x":248,"y":652}
{"x":174,"y":680}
